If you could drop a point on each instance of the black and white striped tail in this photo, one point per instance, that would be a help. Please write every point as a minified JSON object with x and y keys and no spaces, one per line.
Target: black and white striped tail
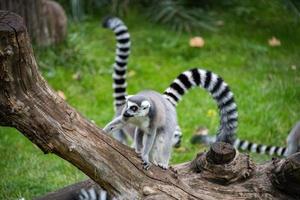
{"x":122,"y":54}
{"x":259,"y":148}
{"x":93,"y":194}
{"x":244,"y":145}
{"x":219,"y":90}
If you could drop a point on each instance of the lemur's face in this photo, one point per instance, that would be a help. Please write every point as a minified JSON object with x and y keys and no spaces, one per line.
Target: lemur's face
{"x":136,"y":107}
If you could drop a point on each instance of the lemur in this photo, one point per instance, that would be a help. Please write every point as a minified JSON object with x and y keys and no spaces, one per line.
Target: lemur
{"x":293,"y":143}
{"x":155,"y":116}
{"x":119,"y":86}
{"x":119,"y":77}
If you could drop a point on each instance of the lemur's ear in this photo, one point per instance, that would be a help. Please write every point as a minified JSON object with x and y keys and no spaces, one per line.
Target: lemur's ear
{"x":128,"y":96}
{"x":145,"y":104}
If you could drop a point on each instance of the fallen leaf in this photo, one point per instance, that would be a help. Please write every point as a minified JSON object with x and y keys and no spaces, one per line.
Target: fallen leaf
{"x":131,"y":73}
{"x":201,"y":131}
{"x":77,"y":76}
{"x":274,"y":42}
{"x":211,"y":113}
{"x":61,"y":94}
{"x":220,"y":23}
{"x":197,"y":42}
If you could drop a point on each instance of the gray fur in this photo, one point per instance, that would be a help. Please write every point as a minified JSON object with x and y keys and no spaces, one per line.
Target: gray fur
{"x":155,"y":127}
{"x":293,"y":140}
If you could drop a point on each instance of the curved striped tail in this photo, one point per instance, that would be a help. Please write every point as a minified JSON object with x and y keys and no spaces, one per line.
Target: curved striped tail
{"x":121,"y":58}
{"x":219,"y":90}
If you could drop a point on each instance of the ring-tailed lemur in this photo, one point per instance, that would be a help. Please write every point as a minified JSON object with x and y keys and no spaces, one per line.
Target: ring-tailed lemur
{"x":119,"y":77}
{"x":155,"y":115}
{"x":293,"y":143}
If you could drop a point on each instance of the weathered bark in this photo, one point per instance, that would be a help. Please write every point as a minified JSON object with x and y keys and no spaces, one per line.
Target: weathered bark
{"x":286,"y":174}
{"x":46,"y":20}
{"x":31,"y":106}
{"x":71,"y":192}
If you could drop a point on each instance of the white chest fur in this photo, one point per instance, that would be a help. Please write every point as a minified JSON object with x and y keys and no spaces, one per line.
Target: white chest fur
{"x":142,"y":122}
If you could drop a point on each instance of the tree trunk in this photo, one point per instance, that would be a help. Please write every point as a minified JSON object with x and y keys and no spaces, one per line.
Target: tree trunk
{"x":31,"y":106}
{"x":46,"y":20}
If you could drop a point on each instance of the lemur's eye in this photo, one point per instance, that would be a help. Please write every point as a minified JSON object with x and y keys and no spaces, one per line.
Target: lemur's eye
{"x":133,"y":108}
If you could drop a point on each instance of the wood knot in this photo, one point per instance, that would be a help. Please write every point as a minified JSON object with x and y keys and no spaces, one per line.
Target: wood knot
{"x":223,"y":164}
{"x":147,"y":190}
{"x":6,"y":52}
{"x":72,"y":147}
{"x":220,"y":153}
{"x":18,"y":107}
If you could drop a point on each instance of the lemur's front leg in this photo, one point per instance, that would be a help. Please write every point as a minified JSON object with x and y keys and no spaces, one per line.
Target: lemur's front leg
{"x":166,"y":148}
{"x":138,"y":141}
{"x":116,"y":124}
{"x":148,"y":140}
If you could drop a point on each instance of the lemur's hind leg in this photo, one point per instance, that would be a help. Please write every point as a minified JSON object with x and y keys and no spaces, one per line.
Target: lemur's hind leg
{"x":138,"y":141}
{"x":165,"y":154}
{"x":162,"y":151}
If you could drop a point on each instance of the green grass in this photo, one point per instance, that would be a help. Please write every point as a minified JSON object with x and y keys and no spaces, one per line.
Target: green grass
{"x":266,"y":87}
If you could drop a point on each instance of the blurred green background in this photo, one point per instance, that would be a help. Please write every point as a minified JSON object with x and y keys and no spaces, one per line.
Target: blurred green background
{"x":264,"y":78}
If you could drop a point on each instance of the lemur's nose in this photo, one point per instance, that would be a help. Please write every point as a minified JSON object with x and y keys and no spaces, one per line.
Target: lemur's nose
{"x":126,"y":114}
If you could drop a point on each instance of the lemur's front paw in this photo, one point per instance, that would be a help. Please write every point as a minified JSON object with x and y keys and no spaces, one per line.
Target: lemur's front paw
{"x":108,"y":129}
{"x":145,"y":162}
{"x":163,"y":166}
{"x":146,"y":165}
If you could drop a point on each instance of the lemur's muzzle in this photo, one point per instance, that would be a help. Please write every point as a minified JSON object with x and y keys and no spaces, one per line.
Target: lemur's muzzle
{"x":126,"y":114}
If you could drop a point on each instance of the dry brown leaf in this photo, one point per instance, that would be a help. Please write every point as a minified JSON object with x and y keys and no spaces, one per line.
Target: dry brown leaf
{"x":274,"y":42}
{"x":201,"y":130}
{"x":61,"y":94}
{"x":197,"y":42}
